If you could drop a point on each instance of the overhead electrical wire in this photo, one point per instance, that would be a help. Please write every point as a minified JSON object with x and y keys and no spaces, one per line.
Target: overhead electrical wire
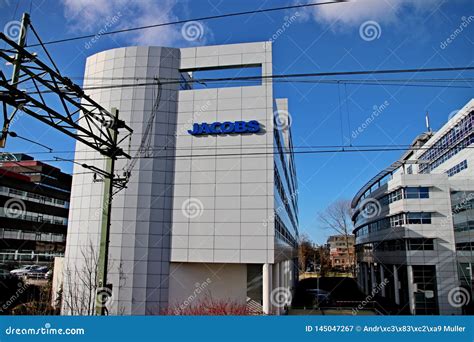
{"x":258,"y":146}
{"x":206,"y":18}
{"x":298,"y":75}
{"x":285,"y":78}
{"x":346,"y":149}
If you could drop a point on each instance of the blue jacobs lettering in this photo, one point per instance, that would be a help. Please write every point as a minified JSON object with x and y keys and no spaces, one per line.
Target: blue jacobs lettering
{"x":226,"y":127}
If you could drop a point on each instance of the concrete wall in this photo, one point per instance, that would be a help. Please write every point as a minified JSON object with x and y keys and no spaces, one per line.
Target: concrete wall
{"x":141,"y":214}
{"x":233,"y":194}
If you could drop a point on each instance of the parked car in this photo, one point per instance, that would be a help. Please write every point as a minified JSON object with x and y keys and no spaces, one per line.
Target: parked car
{"x":5,"y":274}
{"x":320,"y":297}
{"x":24,"y":269}
{"x":37,"y":273}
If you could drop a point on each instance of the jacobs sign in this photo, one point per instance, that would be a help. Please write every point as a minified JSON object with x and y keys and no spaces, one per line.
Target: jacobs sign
{"x":227,"y":127}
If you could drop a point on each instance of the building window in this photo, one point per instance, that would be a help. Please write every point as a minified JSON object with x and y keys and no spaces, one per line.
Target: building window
{"x":465,"y":246}
{"x":395,"y":196}
{"x":417,"y":192}
{"x":454,"y":141}
{"x":420,"y":244}
{"x":397,"y":220}
{"x":419,"y":218}
{"x":457,"y":168}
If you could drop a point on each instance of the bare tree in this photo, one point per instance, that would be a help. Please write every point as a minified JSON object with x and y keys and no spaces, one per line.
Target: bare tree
{"x":305,"y":252}
{"x":81,"y":284}
{"x":337,"y":217}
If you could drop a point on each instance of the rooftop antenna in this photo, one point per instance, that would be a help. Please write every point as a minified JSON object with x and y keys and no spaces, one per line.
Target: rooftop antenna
{"x":427,"y":121}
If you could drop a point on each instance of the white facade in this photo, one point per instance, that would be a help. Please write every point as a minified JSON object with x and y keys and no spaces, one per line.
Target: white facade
{"x":407,"y":227}
{"x":198,"y":208}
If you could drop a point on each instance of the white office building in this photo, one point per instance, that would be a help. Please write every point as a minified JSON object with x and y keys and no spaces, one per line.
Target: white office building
{"x":414,"y":223}
{"x":212,"y":201}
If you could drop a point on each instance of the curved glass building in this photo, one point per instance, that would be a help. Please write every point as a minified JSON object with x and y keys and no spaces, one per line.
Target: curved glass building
{"x":414,"y":223}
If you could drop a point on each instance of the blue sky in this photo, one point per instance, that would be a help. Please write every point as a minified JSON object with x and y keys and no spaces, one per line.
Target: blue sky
{"x":408,"y":34}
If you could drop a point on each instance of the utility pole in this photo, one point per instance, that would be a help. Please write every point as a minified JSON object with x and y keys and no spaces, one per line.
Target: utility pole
{"x":25,"y":22}
{"x":104,"y":290}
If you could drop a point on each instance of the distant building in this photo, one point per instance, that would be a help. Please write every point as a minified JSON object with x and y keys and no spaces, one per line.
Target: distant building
{"x":341,"y":251}
{"x":34,"y":205}
{"x":414,"y":222}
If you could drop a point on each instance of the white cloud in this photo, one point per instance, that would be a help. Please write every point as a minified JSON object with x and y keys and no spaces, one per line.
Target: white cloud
{"x":357,"y":11}
{"x":89,"y":16}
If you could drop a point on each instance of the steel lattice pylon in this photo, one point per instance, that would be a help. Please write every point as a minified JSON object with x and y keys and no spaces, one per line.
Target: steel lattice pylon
{"x":79,"y":116}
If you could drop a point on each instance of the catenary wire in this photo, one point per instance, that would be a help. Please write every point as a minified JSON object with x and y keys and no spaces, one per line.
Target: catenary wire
{"x":284,"y":78}
{"x":346,"y":149}
{"x":251,"y":146}
{"x":206,"y":18}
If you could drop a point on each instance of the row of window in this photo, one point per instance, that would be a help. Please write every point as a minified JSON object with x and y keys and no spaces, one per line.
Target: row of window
{"x":464,"y":226}
{"x":452,"y":152}
{"x":31,"y":235}
{"x":375,"y":186}
{"x":28,"y":256}
{"x":465,"y":246}
{"x":397,"y":220}
{"x":402,"y":193}
{"x":444,"y":149}
{"x":284,"y":198}
{"x":276,"y":136}
{"x":457,"y":168}
{"x":421,"y":244}
{"x":462,"y":201}
{"x":283,"y":233}
{"x":30,"y":196}
{"x":32,"y":216}
{"x":406,"y":193}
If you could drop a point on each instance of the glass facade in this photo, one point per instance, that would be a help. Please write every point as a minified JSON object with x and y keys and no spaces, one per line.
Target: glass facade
{"x":393,"y":221}
{"x":450,"y":144}
{"x":285,"y":188}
